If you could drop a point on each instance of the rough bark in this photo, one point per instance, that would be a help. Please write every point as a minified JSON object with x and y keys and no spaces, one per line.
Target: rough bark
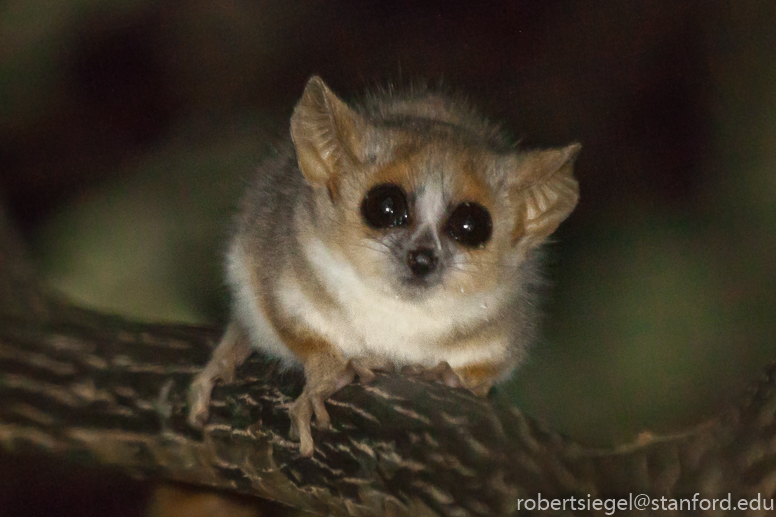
{"x":81,"y":386}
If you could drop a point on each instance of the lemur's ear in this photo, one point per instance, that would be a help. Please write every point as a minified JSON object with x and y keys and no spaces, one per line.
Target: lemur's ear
{"x":543,"y":192}
{"x":327,"y":134}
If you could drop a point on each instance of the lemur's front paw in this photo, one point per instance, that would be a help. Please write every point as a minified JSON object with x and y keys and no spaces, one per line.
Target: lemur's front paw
{"x":230,"y":353}
{"x":319,"y":386}
{"x":301,"y":413}
{"x":441,"y":373}
{"x":325,"y":375}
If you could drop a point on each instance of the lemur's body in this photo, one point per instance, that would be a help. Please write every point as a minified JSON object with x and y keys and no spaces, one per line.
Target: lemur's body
{"x":400,"y":233}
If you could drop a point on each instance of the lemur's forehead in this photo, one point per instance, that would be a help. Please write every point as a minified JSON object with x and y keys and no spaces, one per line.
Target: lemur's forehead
{"x":430,"y":202}
{"x":437,"y":177}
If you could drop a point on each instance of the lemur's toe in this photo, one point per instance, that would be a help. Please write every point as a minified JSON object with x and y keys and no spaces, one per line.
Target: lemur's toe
{"x":365,"y":368}
{"x":301,"y":413}
{"x":199,"y":399}
{"x":442,"y":373}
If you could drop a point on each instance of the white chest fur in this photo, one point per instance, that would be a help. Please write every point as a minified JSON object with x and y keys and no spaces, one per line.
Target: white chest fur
{"x":368,"y":323}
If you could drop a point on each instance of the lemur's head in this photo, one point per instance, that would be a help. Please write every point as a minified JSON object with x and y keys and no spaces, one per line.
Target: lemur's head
{"x":415,"y":195}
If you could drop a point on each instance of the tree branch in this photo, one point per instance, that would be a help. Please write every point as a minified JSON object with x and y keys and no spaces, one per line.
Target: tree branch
{"x":80,"y":385}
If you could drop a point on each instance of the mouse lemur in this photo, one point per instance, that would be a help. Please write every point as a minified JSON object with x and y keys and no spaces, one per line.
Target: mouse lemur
{"x":399,"y":232}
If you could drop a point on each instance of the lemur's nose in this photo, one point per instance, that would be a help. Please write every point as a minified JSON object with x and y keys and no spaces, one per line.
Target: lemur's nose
{"x":422,"y":261}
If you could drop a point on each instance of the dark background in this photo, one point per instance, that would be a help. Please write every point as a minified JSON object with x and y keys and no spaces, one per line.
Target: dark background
{"x":127,"y":130}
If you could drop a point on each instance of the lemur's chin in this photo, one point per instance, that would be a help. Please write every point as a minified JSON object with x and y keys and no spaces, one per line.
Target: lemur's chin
{"x":416,"y":288}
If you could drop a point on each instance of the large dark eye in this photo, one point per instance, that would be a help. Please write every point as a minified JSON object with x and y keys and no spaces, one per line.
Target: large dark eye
{"x":470,"y":224}
{"x":385,"y":206}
